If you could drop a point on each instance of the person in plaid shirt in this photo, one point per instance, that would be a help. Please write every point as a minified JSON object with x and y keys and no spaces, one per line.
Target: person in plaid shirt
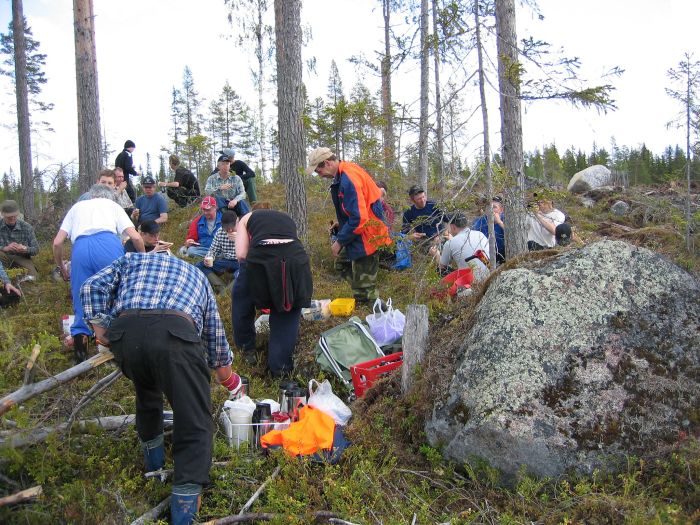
{"x":159,"y":317}
{"x":221,"y":257}
{"x":18,"y":242}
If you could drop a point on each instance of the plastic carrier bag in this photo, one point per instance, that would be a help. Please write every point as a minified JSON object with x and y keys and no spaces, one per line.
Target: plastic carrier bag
{"x":385,"y":326}
{"x":403,"y":252}
{"x":323,"y":398}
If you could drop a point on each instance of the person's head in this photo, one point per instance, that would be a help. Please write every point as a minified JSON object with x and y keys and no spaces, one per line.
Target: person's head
{"x":229,"y":152}
{"x":100,"y":191}
{"x":323,"y":162}
{"x":208,"y":207}
{"x":118,"y":176}
{"x":418,"y":197}
{"x":148,"y":184}
{"x":174,"y":161}
{"x":457,"y":223}
{"x":497,"y":205}
{"x":106,"y":178}
{"x":150,"y":232}
{"x":543,"y":203}
{"x":224,"y":165}
{"x":10,"y":212}
{"x":129,"y":146}
{"x":228,"y":221}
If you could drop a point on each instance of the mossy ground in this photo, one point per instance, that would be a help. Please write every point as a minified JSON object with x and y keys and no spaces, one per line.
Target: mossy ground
{"x":388,"y":476}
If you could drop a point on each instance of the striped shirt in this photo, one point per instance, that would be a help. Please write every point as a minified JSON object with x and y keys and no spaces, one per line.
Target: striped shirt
{"x":152,"y":281}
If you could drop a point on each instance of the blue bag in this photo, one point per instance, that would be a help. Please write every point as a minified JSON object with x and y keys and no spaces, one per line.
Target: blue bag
{"x":403,"y":252}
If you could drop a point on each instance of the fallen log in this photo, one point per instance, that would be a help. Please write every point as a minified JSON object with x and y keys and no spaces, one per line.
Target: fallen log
{"x":29,"y":391}
{"x":318,"y":517}
{"x":30,"y":364}
{"x":152,"y":514}
{"x":22,"y":496}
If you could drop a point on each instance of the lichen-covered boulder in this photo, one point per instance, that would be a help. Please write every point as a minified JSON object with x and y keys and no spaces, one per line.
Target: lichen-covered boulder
{"x":588,"y":179}
{"x":620,"y":208}
{"x":576,"y":362}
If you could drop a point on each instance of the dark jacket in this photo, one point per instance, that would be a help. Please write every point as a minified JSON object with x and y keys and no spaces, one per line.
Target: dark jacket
{"x":126,"y":163}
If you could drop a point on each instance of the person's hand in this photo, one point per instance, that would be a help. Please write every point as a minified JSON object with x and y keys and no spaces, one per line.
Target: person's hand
{"x":226,"y":186}
{"x":333,"y":229}
{"x":232,"y":203}
{"x":11,"y":289}
{"x":64,"y":272}
{"x":12,"y":247}
{"x":335,"y":248}
{"x":434,"y":251}
{"x":417,"y":236}
{"x":162,"y":184}
{"x":101,"y":335}
{"x":231,"y":236}
{"x":208,"y":261}
{"x":135,"y":214}
{"x":22,"y":248}
{"x":189,"y":242}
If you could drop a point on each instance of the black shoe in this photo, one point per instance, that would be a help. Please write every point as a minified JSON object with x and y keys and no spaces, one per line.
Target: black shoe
{"x":250,"y":357}
{"x":80,"y":348}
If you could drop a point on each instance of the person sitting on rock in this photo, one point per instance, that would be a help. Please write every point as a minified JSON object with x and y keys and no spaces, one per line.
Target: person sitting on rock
{"x":542,"y":221}
{"x":458,"y":251}
{"x":202,"y":229}
{"x":221,"y":257}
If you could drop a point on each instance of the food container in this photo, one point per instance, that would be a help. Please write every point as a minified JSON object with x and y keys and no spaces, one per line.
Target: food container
{"x":342,"y":306}
{"x":317,"y":311}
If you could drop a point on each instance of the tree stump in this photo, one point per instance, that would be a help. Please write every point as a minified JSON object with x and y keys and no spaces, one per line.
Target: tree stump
{"x":414,"y":342}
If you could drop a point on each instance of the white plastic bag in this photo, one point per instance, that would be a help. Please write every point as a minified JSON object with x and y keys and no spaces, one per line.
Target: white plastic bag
{"x":323,"y":399}
{"x":385,"y":327}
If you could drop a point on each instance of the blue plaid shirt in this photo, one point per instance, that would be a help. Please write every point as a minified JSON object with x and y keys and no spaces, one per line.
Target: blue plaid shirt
{"x":152,"y":281}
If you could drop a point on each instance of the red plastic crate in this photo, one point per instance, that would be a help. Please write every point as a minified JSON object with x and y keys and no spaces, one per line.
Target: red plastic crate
{"x":365,"y":374}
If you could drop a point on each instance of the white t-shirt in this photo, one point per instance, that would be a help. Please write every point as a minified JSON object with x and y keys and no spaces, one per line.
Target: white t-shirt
{"x":539,"y":234}
{"x":94,"y":216}
{"x":463,"y":245}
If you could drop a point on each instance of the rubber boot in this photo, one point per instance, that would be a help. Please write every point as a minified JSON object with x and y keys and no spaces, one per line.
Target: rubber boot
{"x":184,"y":506}
{"x":154,"y":454}
{"x":80,"y":348}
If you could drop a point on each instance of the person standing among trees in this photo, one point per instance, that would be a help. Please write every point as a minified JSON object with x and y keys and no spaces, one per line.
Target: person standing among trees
{"x":246,"y":174}
{"x":184,"y":189}
{"x":361,"y":227}
{"x":18,"y":242}
{"x":94,"y":227}
{"x":125,"y":161}
{"x":158,"y":315}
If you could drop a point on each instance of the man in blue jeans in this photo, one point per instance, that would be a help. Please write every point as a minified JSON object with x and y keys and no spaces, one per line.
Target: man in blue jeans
{"x":227,"y":188}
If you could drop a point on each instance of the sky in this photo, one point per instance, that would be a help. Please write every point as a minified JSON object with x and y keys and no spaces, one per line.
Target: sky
{"x":144,"y":45}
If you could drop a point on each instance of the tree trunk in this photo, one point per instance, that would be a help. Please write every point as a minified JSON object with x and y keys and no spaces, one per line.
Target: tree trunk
{"x":439,"y":139}
{"x":89,"y":139}
{"x":260,"y":55}
{"x":511,"y":127}
{"x":290,"y":97}
{"x":487,"y":143}
{"x":423,"y":124}
{"x":388,"y":140}
{"x":23,"y":126}
{"x":688,"y":125}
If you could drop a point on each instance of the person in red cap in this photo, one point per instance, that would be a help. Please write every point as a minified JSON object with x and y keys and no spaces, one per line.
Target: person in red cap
{"x":202,"y":229}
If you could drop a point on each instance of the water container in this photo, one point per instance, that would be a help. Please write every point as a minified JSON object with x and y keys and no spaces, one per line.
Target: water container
{"x":240,"y":415}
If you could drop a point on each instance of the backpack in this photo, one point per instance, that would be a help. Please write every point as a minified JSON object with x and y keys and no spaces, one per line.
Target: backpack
{"x":346,"y":345}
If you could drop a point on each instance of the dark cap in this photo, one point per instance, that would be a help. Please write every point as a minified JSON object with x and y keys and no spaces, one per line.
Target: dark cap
{"x":129,"y":144}
{"x":228,"y":218}
{"x":148,"y":181}
{"x":224,"y":158}
{"x":497,"y":198}
{"x":151,"y":227}
{"x":415,"y":190}
{"x":459,"y":220}
{"x":563,"y":234}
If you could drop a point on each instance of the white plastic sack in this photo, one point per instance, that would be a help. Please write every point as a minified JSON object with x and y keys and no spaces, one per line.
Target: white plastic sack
{"x":385,"y":327}
{"x":323,"y":399}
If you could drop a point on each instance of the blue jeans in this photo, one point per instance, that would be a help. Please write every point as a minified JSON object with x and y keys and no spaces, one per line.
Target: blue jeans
{"x":90,"y":254}
{"x":220,"y":266}
{"x":284,"y":326}
{"x":240,"y":209}
{"x":197,"y":251}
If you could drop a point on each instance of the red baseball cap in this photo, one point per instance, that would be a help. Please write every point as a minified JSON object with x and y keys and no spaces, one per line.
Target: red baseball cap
{"x":208,"y":202}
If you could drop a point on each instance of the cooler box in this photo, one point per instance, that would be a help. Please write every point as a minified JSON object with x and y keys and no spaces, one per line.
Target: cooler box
{"x":343,"y":306}
{"x":365,"y":374}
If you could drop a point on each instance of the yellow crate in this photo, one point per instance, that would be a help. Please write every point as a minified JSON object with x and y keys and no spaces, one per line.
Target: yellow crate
{"x":342,"y":306}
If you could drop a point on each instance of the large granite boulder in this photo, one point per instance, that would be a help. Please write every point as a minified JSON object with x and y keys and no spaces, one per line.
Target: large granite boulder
{"x":588,"y":179}
{"x":576,"y":362}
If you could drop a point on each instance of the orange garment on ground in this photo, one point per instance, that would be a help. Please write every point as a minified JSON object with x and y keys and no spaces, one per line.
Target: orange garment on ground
{"x":313,"y":432}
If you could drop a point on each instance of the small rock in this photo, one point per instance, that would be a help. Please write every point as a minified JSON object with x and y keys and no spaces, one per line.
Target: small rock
{"x":620,"y":208}
{"x":586,"y":202}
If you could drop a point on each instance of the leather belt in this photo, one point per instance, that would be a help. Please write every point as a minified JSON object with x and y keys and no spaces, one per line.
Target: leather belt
{"x":156,"y":311}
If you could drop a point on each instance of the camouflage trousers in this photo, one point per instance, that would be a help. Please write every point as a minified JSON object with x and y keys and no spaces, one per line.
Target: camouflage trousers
{"x":361,"y":274}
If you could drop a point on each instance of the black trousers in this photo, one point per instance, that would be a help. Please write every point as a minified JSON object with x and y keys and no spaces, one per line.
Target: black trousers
{"x":163,"y":354}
